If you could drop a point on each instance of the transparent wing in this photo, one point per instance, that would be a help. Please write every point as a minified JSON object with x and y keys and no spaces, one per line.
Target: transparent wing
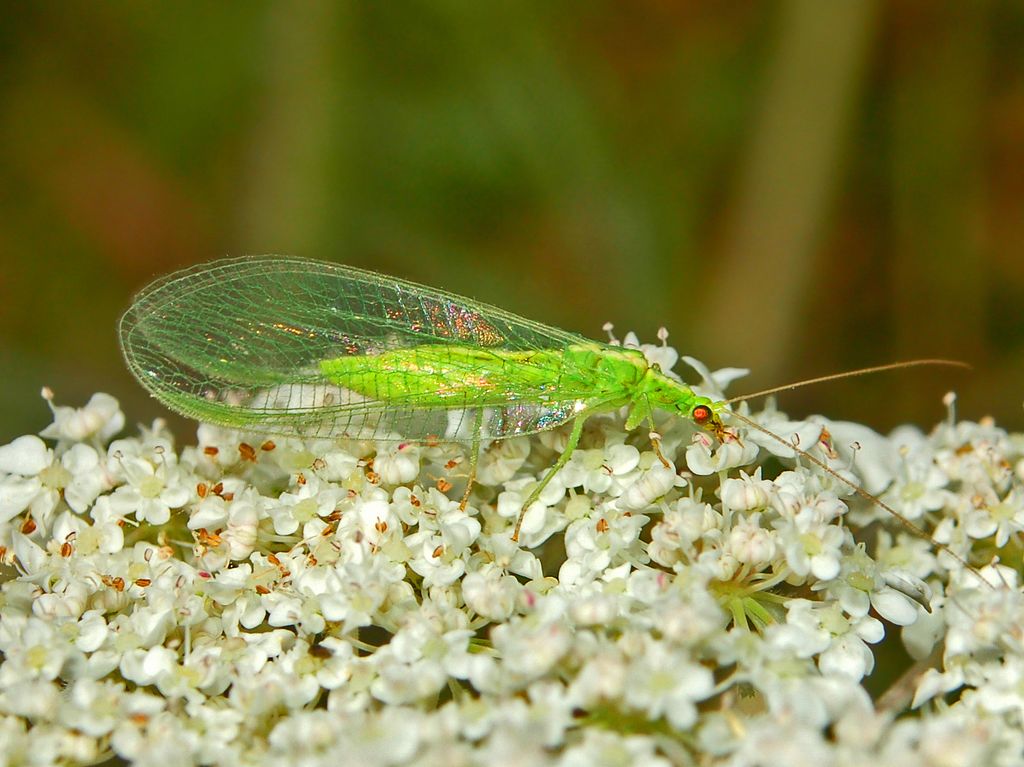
{"x":240,"y":343}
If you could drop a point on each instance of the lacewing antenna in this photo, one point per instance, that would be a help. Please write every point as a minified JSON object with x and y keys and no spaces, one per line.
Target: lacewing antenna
{"x":849,"y":374}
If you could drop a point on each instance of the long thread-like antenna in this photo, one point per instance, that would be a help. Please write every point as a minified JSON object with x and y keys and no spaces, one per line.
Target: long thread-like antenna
{"x":848,"y":374}
{"x":871,"y":497}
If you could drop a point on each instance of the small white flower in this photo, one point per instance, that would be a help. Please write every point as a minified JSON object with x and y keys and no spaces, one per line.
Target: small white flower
{"x":155,"y":483}
{"x":25,"y":456}
{"x":1000,"y":518}
{"x":93,"y":707}
{"x":106,"y":534}
{"x":848,"y":655}
{"x":397,"y":463}
{"x":152,"y":737}
{"x":602,"y":679}
{"x":651,"y":485}
{"x":811,"y":543}
{"x":771,"y":741}
{"x":18,"y":493}
{"x":309,"y":503}
{"x":541,"y":521}
{"x":241,"y":530}
{"x":704,"y":458}
{"x":99,"y":420}
{"x":934,"y":682}
{"x":665,"y":684}
{"x":600,"y":748}
{"x":750,"y":543}
{"x":869,"y":455}
{"x":39,"y":653}
{"x":592,"y":544}
{"x":83,"y":477}
{"x":435,"y":563}
{"x":336,"y":465}
{"x":911,"y":555}
{"x":714,"y":384}
{"x":500,"y":550}
{"x":500,"y":461}
{"x":801,"y":635}
{"x":816,"y":550}
{"x":285,"y":609}
{"x":1002,"y":690}
{"x":805,"y":435}
{"x":662,"y":355}
{"x":68,"y":598}
{"x":592,"y":606}
{"x":356,"y":588}
{"x":919,"y":487}
{"x":30,"y":557}
{"x":22,"y":461}
{"x":38,"y":480}
{"x":490,"y":594}
{"x":31,"y":699}
{"x":530,"y":647}
{"x":601,"y":471}
{"x":983,"y":618}
{"x":399,"y":682}
{"x":748,"y":493}
{"x":458,"y":529}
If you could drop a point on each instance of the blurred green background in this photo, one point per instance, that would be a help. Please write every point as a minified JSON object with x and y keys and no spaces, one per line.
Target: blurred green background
{"x":799,"y":187}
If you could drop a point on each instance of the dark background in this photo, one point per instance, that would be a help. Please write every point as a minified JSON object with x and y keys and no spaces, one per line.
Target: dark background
{"x":799,"y":187}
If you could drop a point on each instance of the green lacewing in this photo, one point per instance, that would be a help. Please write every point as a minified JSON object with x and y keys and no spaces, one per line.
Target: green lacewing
{"x":286,"y":345}
{"x":295,"y":346}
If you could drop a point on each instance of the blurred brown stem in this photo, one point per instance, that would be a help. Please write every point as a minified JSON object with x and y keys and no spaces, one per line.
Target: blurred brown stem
{"x":766,"y":261}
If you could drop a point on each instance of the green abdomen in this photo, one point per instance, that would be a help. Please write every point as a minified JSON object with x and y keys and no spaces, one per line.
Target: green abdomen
{"x":457,"y":376}
{"x":439,"y":374}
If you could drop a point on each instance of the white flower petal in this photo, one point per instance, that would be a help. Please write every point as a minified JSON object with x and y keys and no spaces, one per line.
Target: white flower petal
{"x":895,"y":607}
{"x":26,"y":456}
{"x":16,"y":493}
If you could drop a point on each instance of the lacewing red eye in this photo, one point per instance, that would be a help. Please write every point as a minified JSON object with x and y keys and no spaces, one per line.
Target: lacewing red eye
{"x":701,"y":414}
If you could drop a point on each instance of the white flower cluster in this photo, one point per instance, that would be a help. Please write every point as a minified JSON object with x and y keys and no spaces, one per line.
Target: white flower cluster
{"x":255,"y":600}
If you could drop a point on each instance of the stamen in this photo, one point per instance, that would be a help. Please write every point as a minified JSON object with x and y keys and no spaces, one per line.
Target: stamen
{"x":608,"y":328}
{"x":949,"y":400}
